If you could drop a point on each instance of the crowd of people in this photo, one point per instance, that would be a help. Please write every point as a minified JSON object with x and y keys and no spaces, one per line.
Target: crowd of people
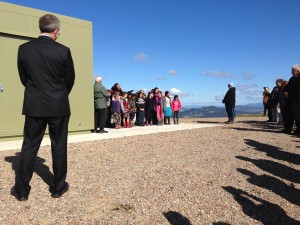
{"x":282,"y":104}
{"x":120,"y":109}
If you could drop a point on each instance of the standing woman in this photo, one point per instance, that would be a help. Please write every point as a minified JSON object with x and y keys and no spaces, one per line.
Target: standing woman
{"x":266,"y":99}
{"x":167,"y":108}
{"x":140,"y":106}
{"x":149,"y":110}
{"x":155,"y":102}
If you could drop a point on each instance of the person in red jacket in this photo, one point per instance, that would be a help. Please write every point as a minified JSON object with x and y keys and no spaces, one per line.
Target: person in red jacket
{"x":176,"y":105}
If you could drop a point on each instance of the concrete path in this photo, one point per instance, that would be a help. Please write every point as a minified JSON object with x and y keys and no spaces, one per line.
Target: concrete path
{"x":112,"y":133}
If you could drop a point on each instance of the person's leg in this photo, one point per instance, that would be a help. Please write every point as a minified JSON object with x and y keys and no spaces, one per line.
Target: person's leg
{"x":34,"y":130}
{"x":289,"y":118}
{"x":58,"y":132}
{"x":233,"y":115}
{"x":229,"y":113}
{"x":174,"y":116}
{"x":274,"y":114}
{"x":142,"y":118}
{"x":270,"y":114}
{"x":177,"y":116}
{"x":162,"y":116}
{"x":102,"y":118}
{"x":97,"y":119}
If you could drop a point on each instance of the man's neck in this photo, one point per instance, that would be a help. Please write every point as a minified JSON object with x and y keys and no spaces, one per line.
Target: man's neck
{"x":47,"y":35}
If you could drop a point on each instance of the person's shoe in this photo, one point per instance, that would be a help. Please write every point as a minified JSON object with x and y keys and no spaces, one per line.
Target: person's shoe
{"x":296,"y":132}
{"x":95,"y":131}
{"x":103,"y":131}
{"x":19,"y":197}
{"x":58,"y":194}
{"x":285,"y":131}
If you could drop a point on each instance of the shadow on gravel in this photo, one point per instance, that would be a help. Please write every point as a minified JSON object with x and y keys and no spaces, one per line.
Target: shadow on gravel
{"x":275,"y":168}
{"x":220,"y":223}
{"x":290,"y":193}
{"x":257,"y":130}
{"x":262,"y":126}
{"x":259,"y":209}
{"x":176,"y":218}
{"x":274,"y":152}
{"x":207,"y":122}
{"x":39,"y":168}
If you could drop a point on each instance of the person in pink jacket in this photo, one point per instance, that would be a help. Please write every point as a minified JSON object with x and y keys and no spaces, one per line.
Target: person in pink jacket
{"x":176,"y":105}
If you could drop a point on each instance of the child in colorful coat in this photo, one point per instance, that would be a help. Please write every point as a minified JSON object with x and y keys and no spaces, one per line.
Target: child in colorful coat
{"x":176,"y":105}
{"x":160,"y":108}
{"x":126,"y":108}
{"x":116,"y":109}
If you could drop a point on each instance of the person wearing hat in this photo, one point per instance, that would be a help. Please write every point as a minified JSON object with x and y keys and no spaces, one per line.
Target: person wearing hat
{"x":229,"y":101}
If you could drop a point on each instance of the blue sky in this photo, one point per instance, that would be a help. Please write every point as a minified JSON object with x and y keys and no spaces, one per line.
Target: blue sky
{"x":192,"y":48}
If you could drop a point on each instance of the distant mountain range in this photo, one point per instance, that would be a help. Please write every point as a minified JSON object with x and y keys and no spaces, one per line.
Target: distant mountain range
{"x":214,"y":111}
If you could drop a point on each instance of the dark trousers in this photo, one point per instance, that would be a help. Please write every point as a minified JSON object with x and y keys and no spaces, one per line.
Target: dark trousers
{"x":140,"y":117}
{"x":230,"y":112}
{"x":100,"y":118}
{"x":154,"y":118}
{"x":34,"y":130}
{"x":149,"y":116}
{"x":175,"y":117}
{"x":270,"y":114}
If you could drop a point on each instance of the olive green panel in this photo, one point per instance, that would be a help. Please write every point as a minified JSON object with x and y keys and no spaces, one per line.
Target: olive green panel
{"x":11,"y":99}
{"x":20,"y":24}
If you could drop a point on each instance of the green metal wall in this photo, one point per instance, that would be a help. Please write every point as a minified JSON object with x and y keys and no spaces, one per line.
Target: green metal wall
{"x":19,"y":25}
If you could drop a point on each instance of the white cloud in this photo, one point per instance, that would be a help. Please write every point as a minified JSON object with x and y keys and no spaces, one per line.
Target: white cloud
{"x":140,"y":57}
{"x":175,"y":91}
{"x":173,"y":72}
{"x":248,"y":76}
{"x":215,"y":73}
{"x":245,"y":89}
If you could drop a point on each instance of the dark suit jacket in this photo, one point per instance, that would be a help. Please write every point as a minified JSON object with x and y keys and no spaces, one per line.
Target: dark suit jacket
{"x":47,"y":72}
{"x":229,"y":98}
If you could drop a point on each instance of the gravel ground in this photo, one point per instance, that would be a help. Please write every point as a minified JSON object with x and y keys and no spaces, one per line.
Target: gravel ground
{"x":244,"y":173}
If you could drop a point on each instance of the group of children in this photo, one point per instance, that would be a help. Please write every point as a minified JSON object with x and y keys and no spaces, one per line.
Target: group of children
{"x":126,"y":109}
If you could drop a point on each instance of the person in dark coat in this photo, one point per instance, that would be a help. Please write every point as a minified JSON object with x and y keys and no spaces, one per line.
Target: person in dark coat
{"x":149,"y":110}
{"x":100,"y":105}
{"x":47,"y":72}
{"x":292,"y":101}
{"x":229,"y":101}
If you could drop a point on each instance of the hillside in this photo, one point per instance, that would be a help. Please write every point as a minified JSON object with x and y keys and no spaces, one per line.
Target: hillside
{"x":213,"y":111}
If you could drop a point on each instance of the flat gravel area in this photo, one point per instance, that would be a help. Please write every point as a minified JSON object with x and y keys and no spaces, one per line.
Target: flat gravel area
{"x":243,"y":173}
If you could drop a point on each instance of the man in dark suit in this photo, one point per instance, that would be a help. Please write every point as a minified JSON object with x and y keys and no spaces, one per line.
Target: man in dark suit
{"x":47,"y":72}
